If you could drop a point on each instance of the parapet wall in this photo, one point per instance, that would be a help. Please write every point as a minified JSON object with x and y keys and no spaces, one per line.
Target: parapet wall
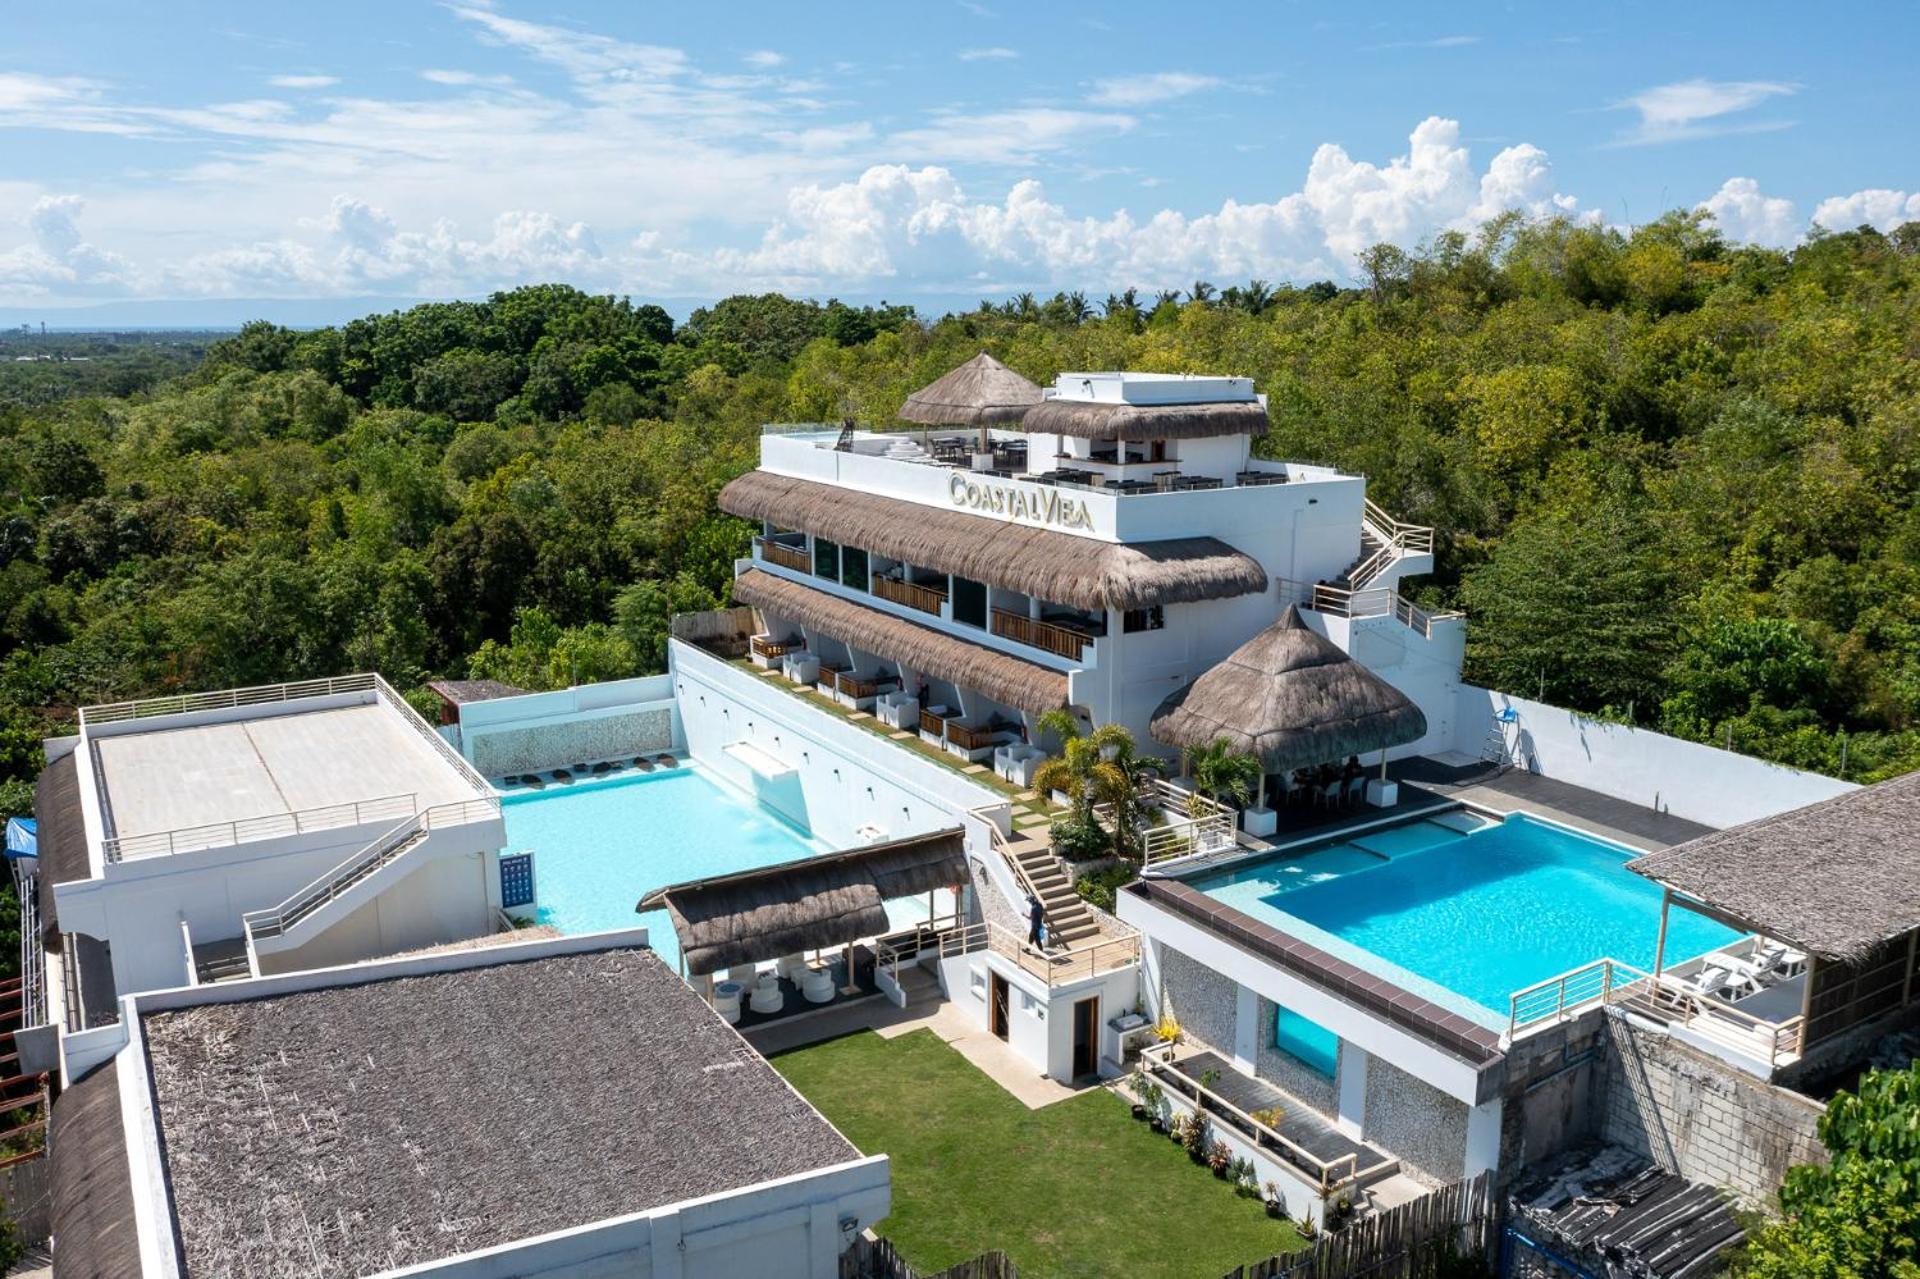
{"x":1693,"y":1114}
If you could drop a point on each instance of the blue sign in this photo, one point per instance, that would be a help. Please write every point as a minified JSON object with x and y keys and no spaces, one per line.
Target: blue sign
{"x":516,"y":880}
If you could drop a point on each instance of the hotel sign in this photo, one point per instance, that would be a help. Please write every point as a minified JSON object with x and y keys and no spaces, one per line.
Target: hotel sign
{"x":1049,"y":506}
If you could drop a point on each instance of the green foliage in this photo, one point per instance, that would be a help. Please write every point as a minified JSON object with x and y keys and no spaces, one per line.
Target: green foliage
{"x":1222,"y":773}
{"x":1079,"y":838}
{"x":1858,"y":1215}
{"x":1099,"y":887}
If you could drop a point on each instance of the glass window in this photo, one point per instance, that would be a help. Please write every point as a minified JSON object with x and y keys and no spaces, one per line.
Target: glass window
{"x":969,"y":602}
{"x":853,"y":567}
{"x":1308,"y":1042}
{"x":1145,"y":619}
{"x":826,"y":558}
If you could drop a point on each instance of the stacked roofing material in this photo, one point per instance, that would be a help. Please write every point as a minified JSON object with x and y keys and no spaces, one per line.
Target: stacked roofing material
{"x":1614,"y":1216}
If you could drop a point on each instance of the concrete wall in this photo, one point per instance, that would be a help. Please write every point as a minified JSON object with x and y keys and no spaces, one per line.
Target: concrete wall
{"x":1699,"y":783}
{"x":1696,"y":1116}
{"x":1425,"y":668}
{"x":584,"y":724}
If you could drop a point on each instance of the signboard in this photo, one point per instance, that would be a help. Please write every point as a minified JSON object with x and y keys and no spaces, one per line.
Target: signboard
{"x":1045,"y":506}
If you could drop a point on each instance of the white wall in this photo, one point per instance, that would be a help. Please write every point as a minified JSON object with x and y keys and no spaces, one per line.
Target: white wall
{"x":442,"y":897}
{"x":588,"y":722}
{"x":1424,"y":667}
{"x":1700,"y":783}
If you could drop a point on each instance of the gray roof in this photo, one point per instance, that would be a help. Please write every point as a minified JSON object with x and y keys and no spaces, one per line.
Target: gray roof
{"x":461,"y":691}
{"x":63,"y":836}
{"x":414,"y":1118}
{"x":1610,"y":1211}
{"x":1838,"y":878}
{"x":92,"y":1182}
{"x":812,"y":903}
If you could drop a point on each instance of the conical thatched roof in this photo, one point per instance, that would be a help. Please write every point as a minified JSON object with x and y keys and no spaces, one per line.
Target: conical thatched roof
{"x":1292,"y":698}
{"x":981,"y":392}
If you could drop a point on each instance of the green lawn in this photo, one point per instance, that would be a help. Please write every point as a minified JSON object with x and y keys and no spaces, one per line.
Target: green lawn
{"x":1077,"y":1189}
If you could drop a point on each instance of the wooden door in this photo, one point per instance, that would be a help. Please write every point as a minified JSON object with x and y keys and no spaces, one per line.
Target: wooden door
{"x":999,"y":996}
{"x":1086,"y":1037}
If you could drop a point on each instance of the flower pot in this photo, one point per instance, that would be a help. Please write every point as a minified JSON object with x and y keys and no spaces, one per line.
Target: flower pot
{"x":1157,"y":1124}
{"x":1276,"y":1209}
{"x":1139,"y":1111}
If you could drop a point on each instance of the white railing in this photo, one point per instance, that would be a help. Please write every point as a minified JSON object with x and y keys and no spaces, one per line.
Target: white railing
{"x":276,"y":920}
{"x":1055,"y":967}
{"x":1189,"y":837}
{"x":33,"y":953}
{"x":179,"y":704}
{"x":1665,"y":998}
{"x":189,"y":839}
{"x":433,"y":739}
{"x":1393,"y":539}
{"x":1374,"y":601}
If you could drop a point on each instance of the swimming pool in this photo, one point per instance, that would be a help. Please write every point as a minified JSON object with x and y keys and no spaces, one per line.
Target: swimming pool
{"x":1465,"y":910}
{"x":601,"y":845}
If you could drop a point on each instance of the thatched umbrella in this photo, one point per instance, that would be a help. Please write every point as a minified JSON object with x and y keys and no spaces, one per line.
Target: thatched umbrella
{"x":1291,"y":698}
{"x":982,"y":392}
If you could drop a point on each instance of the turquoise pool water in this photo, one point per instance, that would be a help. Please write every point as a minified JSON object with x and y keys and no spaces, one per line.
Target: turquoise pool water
{"x":1474,"y":908}
{"x":600,"y":845}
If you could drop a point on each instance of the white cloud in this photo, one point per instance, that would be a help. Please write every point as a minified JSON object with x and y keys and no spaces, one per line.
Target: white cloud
{"x":998,"y":53}
{"x":303,"y":81}
{"x":58,"y":258}
{"x":763,"y":58}
{"x":1138,"y":91}
{"x":1438,"y":42}
{"x":1688,"y":109}
{"x":1743,"y":213}
{"x":1878,"y":208}
{"x":1006,"y":137}
{"x":464,"y":79}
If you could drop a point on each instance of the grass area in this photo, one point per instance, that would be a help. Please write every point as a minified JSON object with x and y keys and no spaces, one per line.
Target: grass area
{"x":828,"y":706}
{"x":1077,"y":1189}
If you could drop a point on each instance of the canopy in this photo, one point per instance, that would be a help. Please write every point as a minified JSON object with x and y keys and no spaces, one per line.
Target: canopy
{"x":981,"y":392}
{"x":1292,"y":698}
{"x":23,"y":838}
{"x":814,"y":903}
{"x":1105,"y":420}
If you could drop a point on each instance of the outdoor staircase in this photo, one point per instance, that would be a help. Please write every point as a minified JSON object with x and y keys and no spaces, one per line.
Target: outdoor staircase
{"x":1385,"y":545}
{"x":306,"y":912}
{"x":1069,"y":922}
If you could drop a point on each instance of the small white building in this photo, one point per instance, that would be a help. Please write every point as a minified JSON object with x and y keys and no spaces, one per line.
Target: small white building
{"x":563,"y":1107}
{"x":251,"y":831}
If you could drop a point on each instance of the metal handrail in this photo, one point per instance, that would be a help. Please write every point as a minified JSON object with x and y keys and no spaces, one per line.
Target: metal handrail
{"x":187,"y":839}
{"x":1056,"y":968}
{"x":33,"y":954}
{"x":426,"y":730}
{"x":276,"y":920}
{"x":180,"y":703}
{"x":1665,"y":998}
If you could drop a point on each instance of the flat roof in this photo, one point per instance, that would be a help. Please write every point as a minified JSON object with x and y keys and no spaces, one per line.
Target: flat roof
{"x":361,"y":1128}
{"x":175,"y":778}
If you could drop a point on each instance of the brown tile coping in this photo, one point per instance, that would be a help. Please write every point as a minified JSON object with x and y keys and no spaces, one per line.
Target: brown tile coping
{"x":1446,"y":1030}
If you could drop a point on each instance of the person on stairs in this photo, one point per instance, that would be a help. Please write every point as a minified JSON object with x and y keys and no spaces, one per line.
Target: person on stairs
{"x":1036,"y":923}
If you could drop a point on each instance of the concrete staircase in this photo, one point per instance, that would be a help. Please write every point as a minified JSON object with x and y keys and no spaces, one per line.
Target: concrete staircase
{"x":1069,"y":922}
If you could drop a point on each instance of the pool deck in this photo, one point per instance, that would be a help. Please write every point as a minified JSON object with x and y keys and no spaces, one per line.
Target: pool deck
{"x":1515,"y":790}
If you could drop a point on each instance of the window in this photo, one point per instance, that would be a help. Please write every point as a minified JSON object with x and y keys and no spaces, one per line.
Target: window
{"x":853,"y":567}
{"x":1307,"y":1042}
{"x":1145,"y":619}
{"x":969,"y":602}
{"x":826,"y":558}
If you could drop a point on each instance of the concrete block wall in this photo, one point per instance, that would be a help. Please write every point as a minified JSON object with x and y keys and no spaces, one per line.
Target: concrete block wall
{"x":563,"y":743}
{"x":1694,"y":1115}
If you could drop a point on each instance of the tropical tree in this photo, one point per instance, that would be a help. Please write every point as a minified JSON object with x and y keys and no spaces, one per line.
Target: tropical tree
{"x":1101,"y":768}
{"x":1201,"y":292}
{"x":1222,"y":773}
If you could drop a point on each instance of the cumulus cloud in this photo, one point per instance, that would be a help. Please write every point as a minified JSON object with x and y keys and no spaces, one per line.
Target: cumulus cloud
{"x":303,"y":81}
{"x":1742,"y":212}
{"x":1688,"y":109}
{"x":763,"y":58}
{"x":1143,"y":90}
{"x":1877,"y":208}
{"x":58,"y":258}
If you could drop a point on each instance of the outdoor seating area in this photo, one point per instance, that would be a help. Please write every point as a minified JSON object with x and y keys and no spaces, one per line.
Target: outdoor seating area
{"x":769,"y":653}
{"x":1331,"y":785}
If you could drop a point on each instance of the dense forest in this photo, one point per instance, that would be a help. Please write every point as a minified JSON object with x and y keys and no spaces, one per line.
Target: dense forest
{"x":1674,"y":477}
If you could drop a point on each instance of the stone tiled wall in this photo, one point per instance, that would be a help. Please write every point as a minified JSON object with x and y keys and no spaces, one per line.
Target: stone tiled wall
{"x":1201,"y":1000}
{"x":1694,"y":1115}
{"x":1417,"y":1123}
{"x":569,"y":742}
{"x":1291,"y":1073}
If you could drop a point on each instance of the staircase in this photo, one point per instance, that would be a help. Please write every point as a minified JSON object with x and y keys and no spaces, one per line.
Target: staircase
{"x":280,"y":922}
{"x":1386,"y":545}
{"x":1069,"y":922}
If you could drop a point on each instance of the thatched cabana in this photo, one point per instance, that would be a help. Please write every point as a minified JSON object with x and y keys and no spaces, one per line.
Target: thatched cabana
{"x":1131,"y":423}
{"x":1839,"y":880}
{"x":1040,"y":562}
{"x":1291,"y":698}
{"x":982,"y":392}
{"x":1008,"y":680}
{"x":814,"y":903}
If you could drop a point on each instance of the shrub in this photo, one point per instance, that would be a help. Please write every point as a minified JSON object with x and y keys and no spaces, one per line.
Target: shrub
{"x":1080,"y":840}
{"x":1099,"y":887}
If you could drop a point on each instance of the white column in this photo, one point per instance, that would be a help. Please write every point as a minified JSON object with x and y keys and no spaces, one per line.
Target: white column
{"x":1246,"y":1028}
{"x":1483,"y":1137}
{"x":1352,"y":1102}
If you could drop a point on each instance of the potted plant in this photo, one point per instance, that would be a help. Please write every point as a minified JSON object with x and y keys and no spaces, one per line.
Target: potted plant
{"x":1307,"y":1230}
{"x":1177,"y":1129}
{"x":1153,"y":1095}
{"x":1137,"y":1084}
{"x":1272,"y":1116}
{"x":1167,"y":1030}
{"x":1219,"y":1159}
{"x":1339,"y":1212}
{"x":1194,"y":1138}
{"x":1276,"y":1204}
{"x":1208,"y":1078}
{"x":1245,"y":1181}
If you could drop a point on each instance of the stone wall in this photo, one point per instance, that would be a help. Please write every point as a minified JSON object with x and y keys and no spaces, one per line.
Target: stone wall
{"x":1201,"y":1000}
{"x":1416,"y":1123}
{"x":1289,"y":1072}
{"x":564,"y":743}
{"x":1695,"y":1115}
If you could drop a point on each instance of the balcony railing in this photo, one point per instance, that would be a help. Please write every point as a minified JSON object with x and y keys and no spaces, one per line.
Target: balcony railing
{"x":927,"y":599}
{"x":223,"y":699}
{"x":1055,"y":967}
{"x":783,"y":554}
{"x":1058,"y":640}
{"x":189,"y":839}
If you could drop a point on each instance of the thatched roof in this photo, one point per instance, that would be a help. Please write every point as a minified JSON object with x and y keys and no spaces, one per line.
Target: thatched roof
{"x":1837,"y":878}
{"x":63,"y":837}
{"x":1292,"y":698}
{"x":1008,"y":680}
{"x":399,"y":1121}
{"x":981,"y":392}
{"x":815,"y":903}
{"x":1040,"y":562}
{"x":1103,"y":420}
{"x":92,"y":1181}
{"x":459,"y":692}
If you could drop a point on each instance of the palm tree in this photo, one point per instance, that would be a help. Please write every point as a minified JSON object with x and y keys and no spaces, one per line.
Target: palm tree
{"x":1221,"y":772}
{"x":1201,"y":291}
{"x":1257,"y":297}
{"x":1077,"y":309}
{"x":1166,"y":297}
{"x":1097,"y":769}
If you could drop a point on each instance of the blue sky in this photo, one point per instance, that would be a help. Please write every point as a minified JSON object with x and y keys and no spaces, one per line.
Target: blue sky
{"x":924,"y":151}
